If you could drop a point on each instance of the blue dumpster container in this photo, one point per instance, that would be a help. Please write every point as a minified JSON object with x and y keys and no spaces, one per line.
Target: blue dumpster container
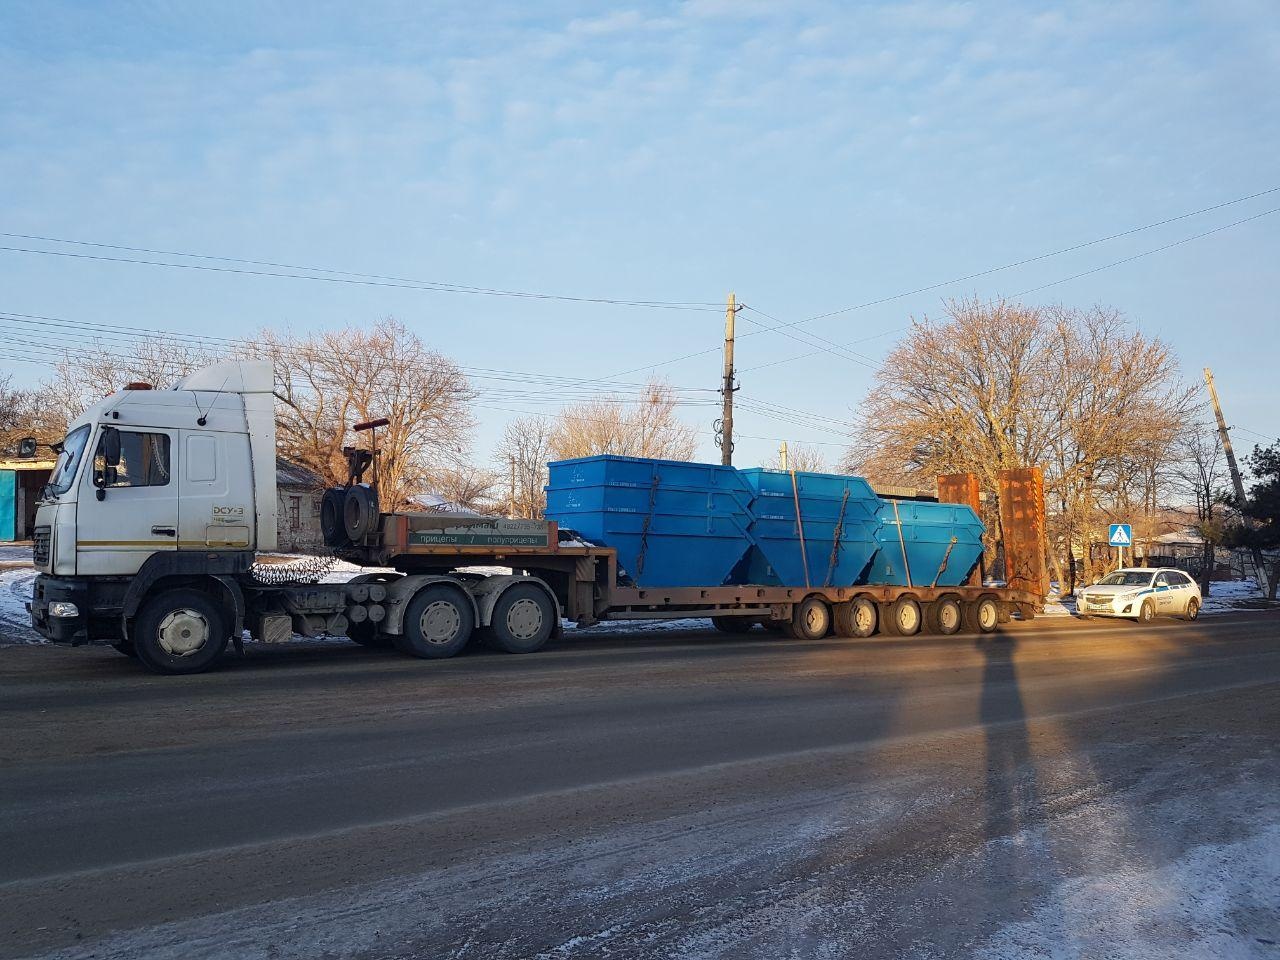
{"x":928,"y":530}
{"x":673,"y":524}
{"x":779,"y":558}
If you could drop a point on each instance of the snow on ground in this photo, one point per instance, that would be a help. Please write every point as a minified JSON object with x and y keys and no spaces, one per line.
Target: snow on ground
{"x":15,"y":592}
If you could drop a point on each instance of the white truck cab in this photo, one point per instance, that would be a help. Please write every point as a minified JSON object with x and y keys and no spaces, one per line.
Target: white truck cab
{"x":152,"y":484}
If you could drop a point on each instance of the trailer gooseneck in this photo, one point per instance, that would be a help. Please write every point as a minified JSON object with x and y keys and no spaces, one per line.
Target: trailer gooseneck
{"x":161,"y":499}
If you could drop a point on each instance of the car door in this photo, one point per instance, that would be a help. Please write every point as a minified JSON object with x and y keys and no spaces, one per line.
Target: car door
{"x":1166,"y":594}
{"x":137,"y":514}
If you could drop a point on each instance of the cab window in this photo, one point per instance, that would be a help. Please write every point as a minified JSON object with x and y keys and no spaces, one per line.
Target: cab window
{"x":144,"y":461}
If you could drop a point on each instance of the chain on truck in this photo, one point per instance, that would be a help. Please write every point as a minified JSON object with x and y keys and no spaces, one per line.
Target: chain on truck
{"x":147,"y":533}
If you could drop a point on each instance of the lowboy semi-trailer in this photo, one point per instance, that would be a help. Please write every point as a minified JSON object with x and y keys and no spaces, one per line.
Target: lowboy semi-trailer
{"x":161,"y":500}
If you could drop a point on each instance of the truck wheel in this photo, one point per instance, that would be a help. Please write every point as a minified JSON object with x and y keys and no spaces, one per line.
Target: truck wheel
{"x":981,"y":616}
{"x":902,"y":618}
{"x":810,"y":619}
{"x":857,"y":618}
{"x":522,"y":619}
{"x":366,"y":634}
{"x":437,"y":623}
{"x":180,"y":631}
{"x":733,"y":624}
{"x":332,"y":529}
{"x":359,"y":513}
{"x":944,"y":617}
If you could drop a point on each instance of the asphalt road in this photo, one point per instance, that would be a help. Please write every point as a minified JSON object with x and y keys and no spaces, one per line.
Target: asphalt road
{"x":1063,"y":789}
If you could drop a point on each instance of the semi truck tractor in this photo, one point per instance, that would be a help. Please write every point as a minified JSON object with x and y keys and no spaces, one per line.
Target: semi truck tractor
{"x":150,"y":532}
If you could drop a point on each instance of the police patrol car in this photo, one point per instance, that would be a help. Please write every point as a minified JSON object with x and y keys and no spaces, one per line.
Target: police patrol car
{"x":1141,"y":594}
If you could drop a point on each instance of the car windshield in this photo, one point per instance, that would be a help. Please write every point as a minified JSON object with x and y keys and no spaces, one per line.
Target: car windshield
{"x":64,"y":471}
{"x":1128,"y":578}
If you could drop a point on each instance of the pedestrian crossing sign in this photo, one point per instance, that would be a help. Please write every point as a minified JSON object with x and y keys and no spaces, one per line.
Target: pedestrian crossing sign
{"x":1121,"y":535}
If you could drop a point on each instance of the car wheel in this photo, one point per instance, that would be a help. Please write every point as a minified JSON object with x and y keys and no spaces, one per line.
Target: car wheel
{"x":180,"y":631}
{"x":1147,"y":612}
{"x":1193,"y":609}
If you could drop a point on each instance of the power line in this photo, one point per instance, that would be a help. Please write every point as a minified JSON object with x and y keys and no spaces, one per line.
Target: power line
{"x":334,"y":276}
{"x":981,"y":273}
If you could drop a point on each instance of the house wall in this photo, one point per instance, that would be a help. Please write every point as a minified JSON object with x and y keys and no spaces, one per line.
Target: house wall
{"x":298,"y":519}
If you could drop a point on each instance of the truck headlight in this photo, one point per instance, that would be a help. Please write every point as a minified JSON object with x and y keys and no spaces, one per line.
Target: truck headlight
{"x":63,"y":608}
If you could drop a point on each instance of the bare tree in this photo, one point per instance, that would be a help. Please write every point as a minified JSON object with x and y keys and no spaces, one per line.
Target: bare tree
{"x":467,"y":487}
{"x":332,"y":380}
{"x":800,"y":456}
{"x":522,"y":457}
{"x":1003,"y":385}
{"x":86,"y":374}
{"x":647,"y":427}
{"x":1201,"y":478}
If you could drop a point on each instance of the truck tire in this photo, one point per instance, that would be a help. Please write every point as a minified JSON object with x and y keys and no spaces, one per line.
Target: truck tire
{"x":359,"y":513}
{"x":437,"y":623}
{"x":522,"y":620}
{"x":332,"y":528}
{"x":944,"y":617}
{"x":857,"y":618}
{"x":981,"y":616}
{"x":180,"y":631}
{"x":902,"y":618}
{"x":810,"y":619}
{"x":366,"y":634}
{"x":735,"y":625}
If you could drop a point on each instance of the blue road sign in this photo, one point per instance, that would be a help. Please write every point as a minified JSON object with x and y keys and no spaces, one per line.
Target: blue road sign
{"x":1121,"y":535}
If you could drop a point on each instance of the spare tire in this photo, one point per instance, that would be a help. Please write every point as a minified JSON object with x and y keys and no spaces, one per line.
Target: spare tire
{"x":332,"y":526}
{"x":359,"y":512}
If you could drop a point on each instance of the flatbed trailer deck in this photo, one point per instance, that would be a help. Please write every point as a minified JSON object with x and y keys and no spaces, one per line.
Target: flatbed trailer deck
{"x":586,"y":584}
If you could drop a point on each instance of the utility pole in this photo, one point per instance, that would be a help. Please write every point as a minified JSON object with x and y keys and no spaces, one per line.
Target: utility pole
{"x":726,"y":420}
{"x":782,"y":455}
{"x":1258,"y":572}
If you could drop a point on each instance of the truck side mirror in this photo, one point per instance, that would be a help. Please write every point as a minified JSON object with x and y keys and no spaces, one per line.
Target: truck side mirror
{"x":110,"y":447}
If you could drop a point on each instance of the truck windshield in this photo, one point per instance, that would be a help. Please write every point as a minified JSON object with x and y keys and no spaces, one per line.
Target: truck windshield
{"x":64,"y":471}
{"x":1131,"y":579}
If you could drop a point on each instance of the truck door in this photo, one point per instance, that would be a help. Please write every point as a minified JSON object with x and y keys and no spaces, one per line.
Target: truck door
{"x":216,"y":505}
{"x":138,"y":513}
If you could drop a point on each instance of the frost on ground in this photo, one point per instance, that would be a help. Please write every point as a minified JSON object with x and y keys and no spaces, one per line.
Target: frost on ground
{"x":1192,"y":907}
{"x":15,"y":593}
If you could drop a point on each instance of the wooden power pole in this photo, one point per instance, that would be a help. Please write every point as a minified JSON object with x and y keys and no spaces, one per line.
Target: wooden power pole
{"x":1236,"y":481}
{"x":726,"y":418}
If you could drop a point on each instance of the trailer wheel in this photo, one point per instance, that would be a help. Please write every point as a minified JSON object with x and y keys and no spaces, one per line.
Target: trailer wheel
{"x":857,"y":618}
{"x":180,"y":631}
{"x":981,"y":616}
{"x":523,"y":619}
{"x":437,"y":623}
{"x":944,"y":617}
{"x":901,"y":618}
{"x":810,"y":619}
{"x":736,"y":625}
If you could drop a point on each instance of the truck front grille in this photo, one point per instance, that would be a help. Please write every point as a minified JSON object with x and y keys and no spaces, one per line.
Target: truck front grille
{"x":40,"y":539}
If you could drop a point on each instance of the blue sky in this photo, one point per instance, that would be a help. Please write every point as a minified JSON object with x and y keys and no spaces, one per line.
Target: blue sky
{"x":807,"y":155}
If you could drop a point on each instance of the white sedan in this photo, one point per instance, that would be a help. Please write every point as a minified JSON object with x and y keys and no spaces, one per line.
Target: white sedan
{"x":1142,"y":594}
